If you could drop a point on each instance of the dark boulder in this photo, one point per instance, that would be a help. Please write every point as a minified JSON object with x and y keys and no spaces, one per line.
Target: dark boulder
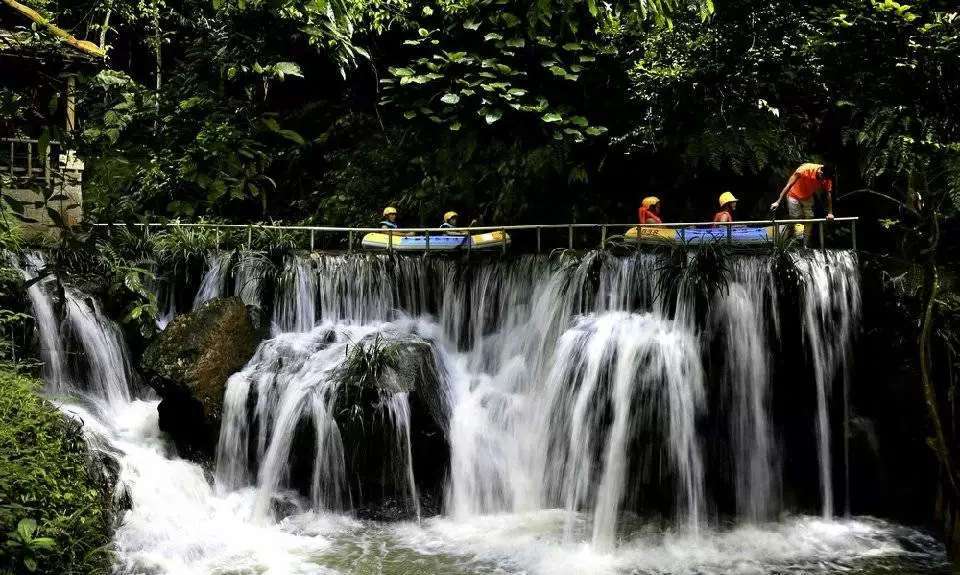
{"x":188,"y":364}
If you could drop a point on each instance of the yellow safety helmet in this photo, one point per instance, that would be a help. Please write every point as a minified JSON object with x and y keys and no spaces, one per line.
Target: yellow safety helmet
{"x":650,"y":201}
{"x":726,"y":198}
{"x":448,"y":215}
{"x":388,"y":211}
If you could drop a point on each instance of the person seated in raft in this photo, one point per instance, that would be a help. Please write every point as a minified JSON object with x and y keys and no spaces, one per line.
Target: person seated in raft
{"x":389,"y":221}
{"x":800,"y":190}
{"x":728,"y":203}
{"x":650,"y":210}
{"x":450,"y":221}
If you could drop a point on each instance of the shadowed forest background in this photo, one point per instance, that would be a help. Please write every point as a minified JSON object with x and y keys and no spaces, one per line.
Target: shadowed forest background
{"x":549,"y":111}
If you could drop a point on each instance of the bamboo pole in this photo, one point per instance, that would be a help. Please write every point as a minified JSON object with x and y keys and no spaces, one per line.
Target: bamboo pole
{"x":82,"y":45}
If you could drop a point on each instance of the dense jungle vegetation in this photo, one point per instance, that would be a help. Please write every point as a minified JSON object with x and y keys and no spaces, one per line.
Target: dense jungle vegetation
{"x":543,"y":111}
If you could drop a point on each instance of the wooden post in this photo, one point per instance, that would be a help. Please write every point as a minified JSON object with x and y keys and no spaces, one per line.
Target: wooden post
{"x":504,"y":232}
{"x":249,"y":237}
{"x":350,"y":241}
{"x":603,"y":236}
{"x":853,"y":230}
{"x":71,"y":103}
{"x":538,"y":239}
{"x":570,"y":237}
{"x":311,"y":240}
{"x":426,"y":238}
{"x":823,"y":246}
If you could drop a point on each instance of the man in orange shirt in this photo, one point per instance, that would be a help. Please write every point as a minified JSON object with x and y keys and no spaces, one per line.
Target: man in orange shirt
{"x":802,"y":186}
{"x":650,"y":210}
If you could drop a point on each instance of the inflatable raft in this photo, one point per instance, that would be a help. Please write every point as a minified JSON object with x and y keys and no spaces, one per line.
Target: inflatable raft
{"x":738,"y":235}
{"x":418,"y":243}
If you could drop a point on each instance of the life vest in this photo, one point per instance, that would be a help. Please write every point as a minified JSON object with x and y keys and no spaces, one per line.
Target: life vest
{"x":388,"y":224}
{"x":648,"y":217}
{"x":807,"y":184}
{"x":723,"y":216}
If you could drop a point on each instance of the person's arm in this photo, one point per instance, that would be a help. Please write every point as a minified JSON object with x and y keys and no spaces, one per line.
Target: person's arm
{"x":784,"y":192}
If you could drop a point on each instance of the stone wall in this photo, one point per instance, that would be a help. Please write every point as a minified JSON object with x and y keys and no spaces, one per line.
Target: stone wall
{"x":36,"y":183}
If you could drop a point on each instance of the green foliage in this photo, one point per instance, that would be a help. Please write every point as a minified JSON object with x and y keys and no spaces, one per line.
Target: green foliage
{"x":53,"y":516}
{"x":380,"y":363}
{"x":695,"y":273}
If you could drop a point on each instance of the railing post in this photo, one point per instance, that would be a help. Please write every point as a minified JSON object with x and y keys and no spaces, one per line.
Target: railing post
{"x":217,"y":230}
{"x":603,"y":236}
{"x":350,"y":241}
{"x":504,"y":245}
{"x":249,"y":238}
{"x":311,"y":240}
{"x":426,"y":238}
{"x":538,"y":239}
{"x":390,"y":240}
{"x":853,"y":231}
{"x":729,"y":234}
{"x":823,"y":246}
{"x":570,"y":236}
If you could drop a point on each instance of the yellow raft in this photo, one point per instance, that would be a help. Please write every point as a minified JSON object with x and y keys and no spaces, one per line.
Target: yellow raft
{"x":438,"y":242}
{"x":737,"y":235}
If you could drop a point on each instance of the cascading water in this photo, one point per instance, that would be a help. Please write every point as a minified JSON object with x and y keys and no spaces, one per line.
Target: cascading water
{"x":740,"y":312}
{"x":296,"y":300}
{"x":567,"y":393}
{"x":51,"y":348}
{"x":831,"y":311}
{"x":214,"y":282}
{"x":249,"y":274}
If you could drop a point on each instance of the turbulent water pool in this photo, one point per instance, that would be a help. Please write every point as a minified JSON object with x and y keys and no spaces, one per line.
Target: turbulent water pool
{"x":575,"y":401}
{"x":180,"y":524}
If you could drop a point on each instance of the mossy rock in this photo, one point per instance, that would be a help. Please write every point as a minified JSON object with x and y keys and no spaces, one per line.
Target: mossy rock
{"x":188,"y":364}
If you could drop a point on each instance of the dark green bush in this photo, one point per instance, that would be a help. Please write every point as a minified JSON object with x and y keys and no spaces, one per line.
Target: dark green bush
{"x":53,"y":516}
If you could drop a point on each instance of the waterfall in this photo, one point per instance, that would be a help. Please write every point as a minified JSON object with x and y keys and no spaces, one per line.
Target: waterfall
{"x":214,"y":282}
{"x":41,"y":302}
{"x":572,"y":397}
{"x":109,"y":373}
{"x":298,"y":379}
{"x":831,"y":311}
{"x":398,"y":409}
{"x":743,"y":319}
{"x":249,"y":274}
{"x":296,"y":299}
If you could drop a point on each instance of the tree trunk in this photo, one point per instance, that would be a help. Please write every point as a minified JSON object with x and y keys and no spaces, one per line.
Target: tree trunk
{"x":948,"y":496}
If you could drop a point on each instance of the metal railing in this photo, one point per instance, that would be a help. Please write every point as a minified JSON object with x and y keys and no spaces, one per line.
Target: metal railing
{"x":821,"y":224}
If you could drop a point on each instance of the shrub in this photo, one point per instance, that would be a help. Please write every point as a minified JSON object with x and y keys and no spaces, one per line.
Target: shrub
{"x":53,"y":516}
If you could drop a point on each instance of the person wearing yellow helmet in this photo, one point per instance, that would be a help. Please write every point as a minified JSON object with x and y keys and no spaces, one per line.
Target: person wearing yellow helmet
{"x":728,"y":203}
{"x":389,"y":221}
{"x":650,"y":210}
{"x":450,"y":221}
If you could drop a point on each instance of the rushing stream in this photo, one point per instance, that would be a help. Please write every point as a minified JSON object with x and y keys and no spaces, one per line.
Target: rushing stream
{"x":576,"y":400}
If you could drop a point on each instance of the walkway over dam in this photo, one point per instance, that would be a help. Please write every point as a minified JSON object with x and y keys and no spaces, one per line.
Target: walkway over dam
{"x":839,"y":233}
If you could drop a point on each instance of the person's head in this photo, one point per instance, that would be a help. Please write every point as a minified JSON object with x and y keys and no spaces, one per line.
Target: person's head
{"x":450,"y":218}
{"x":728,"y":201}
{"x":390,"y":213}
{"x":651,"y":203}
{"x":826,"y":172}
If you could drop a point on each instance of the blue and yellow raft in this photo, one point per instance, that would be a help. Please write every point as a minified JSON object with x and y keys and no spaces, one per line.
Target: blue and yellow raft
{"x":737,"y":235}
{"x":438,"y":242}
